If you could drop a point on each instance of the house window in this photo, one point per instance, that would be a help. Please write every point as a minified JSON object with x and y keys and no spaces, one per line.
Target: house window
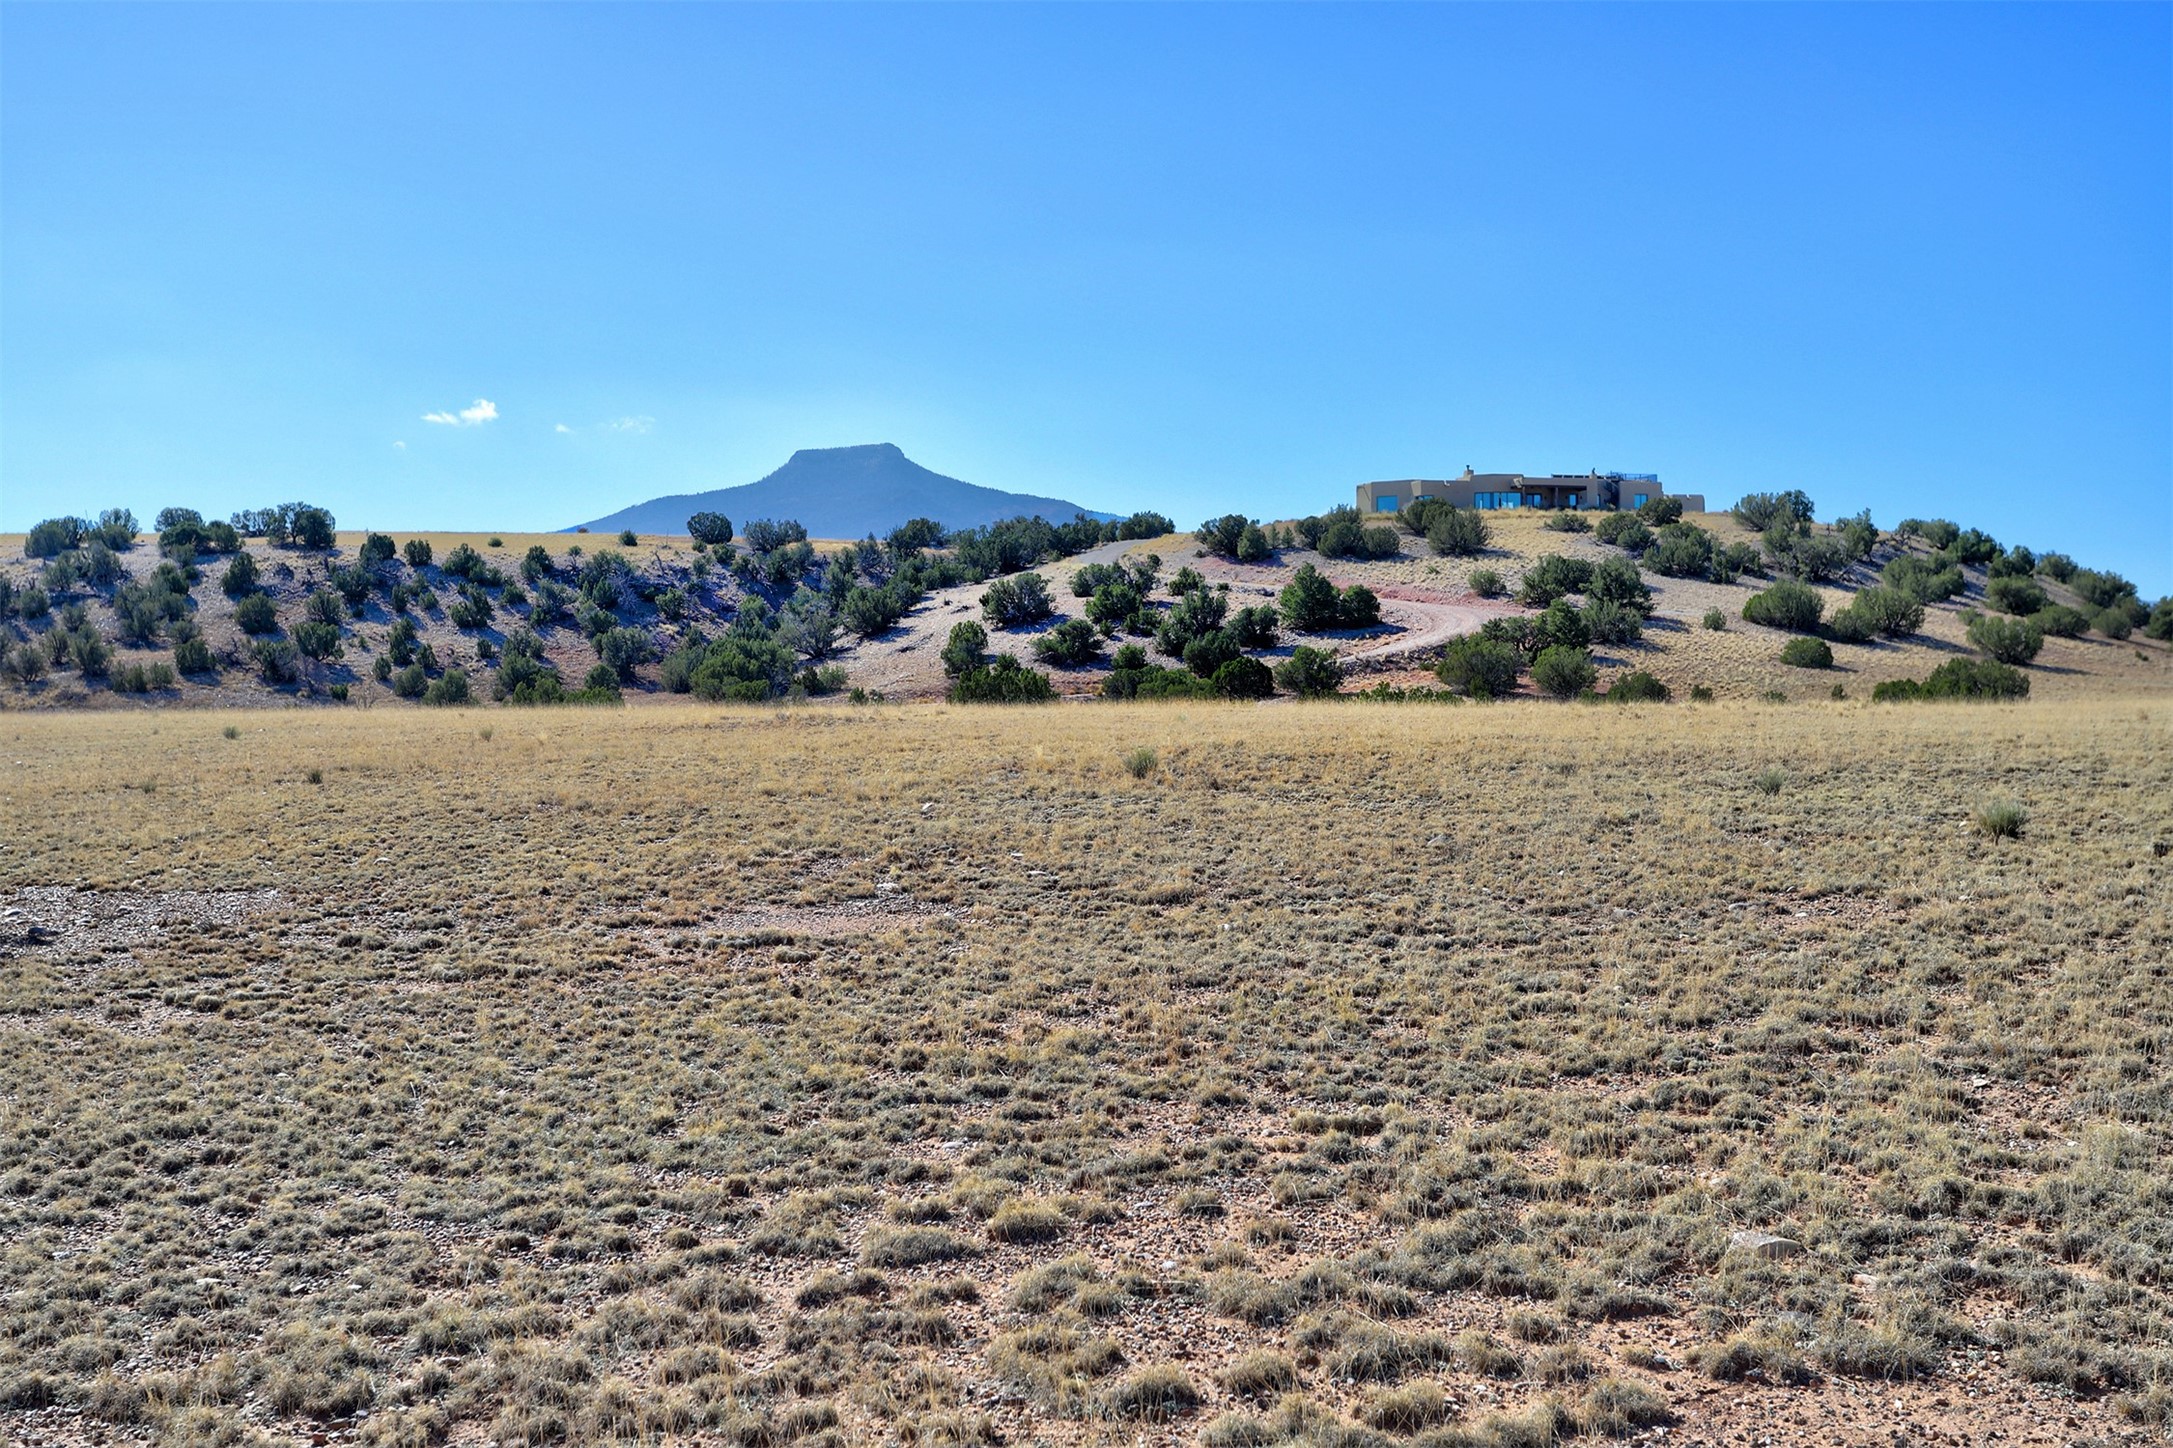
{"x":1637,"y":500}
{"x":1387,"y":503}
{"x":1573,"y":500}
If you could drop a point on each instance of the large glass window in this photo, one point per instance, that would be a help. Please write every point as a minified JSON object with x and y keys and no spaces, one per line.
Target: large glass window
{"x":1637,"y":500}
{"x":1387,"y":503}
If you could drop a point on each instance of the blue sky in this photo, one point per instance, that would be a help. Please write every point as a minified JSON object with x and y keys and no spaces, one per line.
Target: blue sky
{"x":1915,"y":258}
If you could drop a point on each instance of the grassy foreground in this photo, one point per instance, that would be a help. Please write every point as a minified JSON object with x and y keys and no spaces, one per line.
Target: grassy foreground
{"x":1353,"y":1073}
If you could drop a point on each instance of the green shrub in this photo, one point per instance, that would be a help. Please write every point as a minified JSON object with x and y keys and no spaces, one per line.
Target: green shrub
{"x":1457,"y":532}
{"x":2160,"y":623}
{"x":1016,"y":602}
{"x":1420,"y":515}
{"x":1623,"y":530}
{"x":1922,"y":579}
{"x":1309,"y":602}
{"x":1807,"y":653}
{"x":1553,"y":577}
{"x":1139,"y":763}
{"x":55,"y":536}
{"x":417,"y":552}
{"x":2057,"y":620}
{"x":1346,"y":536}
{"x":277,"y":660}
{"x":599,"y":686}
{"x":1761,"y":511}
{"x":1254,"y":628}
{"x":318,"y":640}
{"x":624,"y":650}
{"x":22,"y":662}
{"x":1486,"y":583}
{"x":2114,"y":623}
{"x":310,"y":527}
{"x":1093,"y":577}
{"x":1358,"y":607}
{"x":1737,"y":560}
{"x":1243,"y":678}
{"x":868,"y":612}
{"x":1682,"y":550}
{"x":1480,"y":667}
{"x":1003,"y":681}
{"x":1716,"y":620}
{"x":1612,"y":623}
{"x":1118,"y":606}
{"x":2015,"y":595}
{"x":1880,"y":610}
{"x":1813,"y":556}
{"x":1310,"y":673}
{"x":1999,"y":819}
{"x":1639,"y":687}
{"x":1568,"y":522}
{"x":2100,"y":590}
{"x":1959,"y":679}
{"x":1621,"y":581}
{"x":1210,"y":651}
{"x":1562,"y":624}
{"x":2006,"y":640}
{"x":747,"y":666}
{"x":1858,"y":535}
{"x":1786,"y":605}
{"x":966,"y":649}
{"x":1564,"y":671}
{"x":1146,"y":681}
{"x":1070,"y":643}
{"x":193,"y":656}
{"x":1220,"y":536}
{"x":255,"y":614}
{"x":1936,"y":531}
{"x":449,"y":688}
{"x":240,"y":576}
{"x":712,"y":528}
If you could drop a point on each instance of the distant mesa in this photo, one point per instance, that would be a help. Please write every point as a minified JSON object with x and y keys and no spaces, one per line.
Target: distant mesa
{"x":845,"y":492}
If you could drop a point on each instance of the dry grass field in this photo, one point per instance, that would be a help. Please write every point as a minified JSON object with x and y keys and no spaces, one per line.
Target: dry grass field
{"x":1339,"y":1074}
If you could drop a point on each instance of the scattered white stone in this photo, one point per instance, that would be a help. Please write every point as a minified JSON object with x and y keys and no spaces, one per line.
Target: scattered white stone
{"x":1764,"y":1244}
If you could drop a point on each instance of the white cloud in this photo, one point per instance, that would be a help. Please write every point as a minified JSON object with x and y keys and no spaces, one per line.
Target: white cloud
{"x":483,"y":411}
{"x":401,"y":446}
{"x":562,"y":428}
{"x":631,"y":424}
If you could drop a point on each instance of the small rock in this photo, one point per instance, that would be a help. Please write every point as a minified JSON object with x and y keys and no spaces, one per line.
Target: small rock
{"x":1764,"y":1244}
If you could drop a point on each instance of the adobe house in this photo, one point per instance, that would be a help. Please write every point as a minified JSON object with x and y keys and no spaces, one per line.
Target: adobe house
{"x":1525,"y":490}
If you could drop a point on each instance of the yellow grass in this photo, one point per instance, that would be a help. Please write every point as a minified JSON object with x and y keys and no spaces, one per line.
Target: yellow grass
{"x":658,"y":1074}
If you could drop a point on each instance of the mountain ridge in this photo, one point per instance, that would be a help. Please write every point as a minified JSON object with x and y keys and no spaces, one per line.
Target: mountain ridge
{"x":844,"y":492}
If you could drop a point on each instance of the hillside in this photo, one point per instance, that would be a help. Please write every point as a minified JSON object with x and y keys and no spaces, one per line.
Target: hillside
{"x":845,"y":492}
{"x":338,"y":628}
